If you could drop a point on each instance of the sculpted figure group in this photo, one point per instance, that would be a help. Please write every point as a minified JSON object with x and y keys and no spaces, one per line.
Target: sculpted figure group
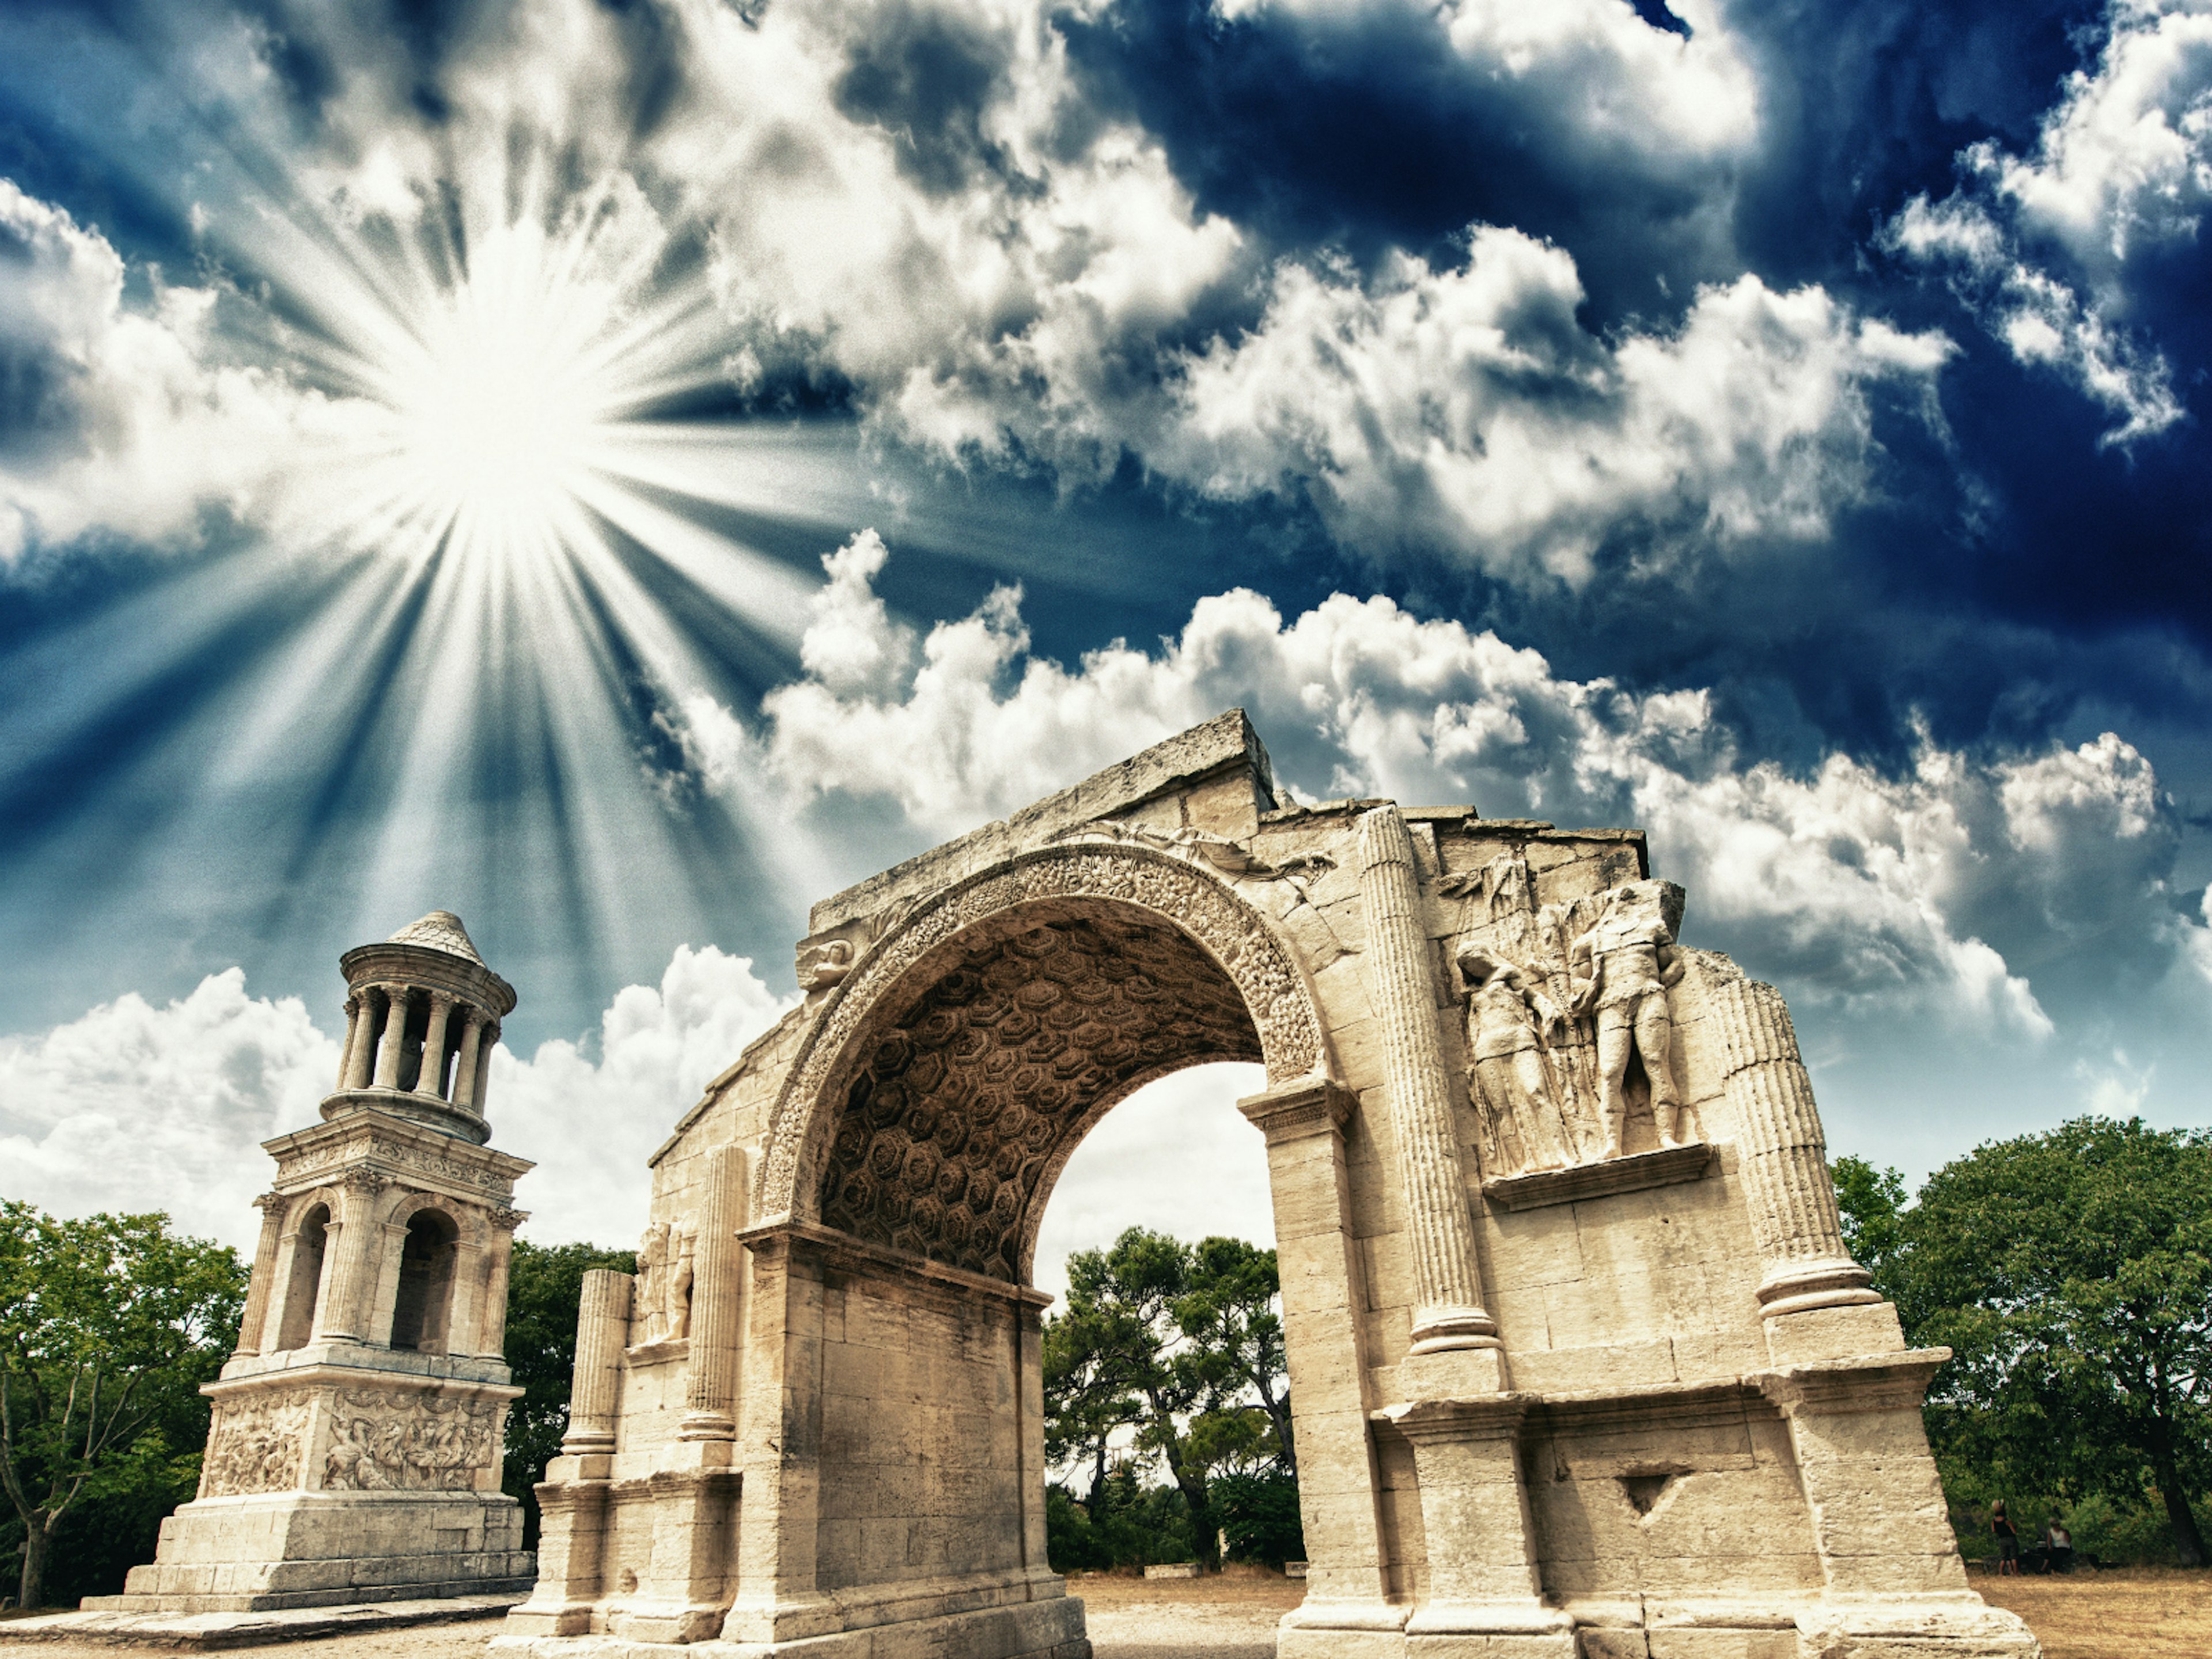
{"x":391,"y":1441}
{"x":1545,"y":1100}
{"x":662,"y":1312}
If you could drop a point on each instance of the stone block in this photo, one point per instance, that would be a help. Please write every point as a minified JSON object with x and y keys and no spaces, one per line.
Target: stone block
{"x":1834,"y":1333}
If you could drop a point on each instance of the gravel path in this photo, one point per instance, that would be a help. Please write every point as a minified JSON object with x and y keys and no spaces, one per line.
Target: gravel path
{"x":1127,"y":1621}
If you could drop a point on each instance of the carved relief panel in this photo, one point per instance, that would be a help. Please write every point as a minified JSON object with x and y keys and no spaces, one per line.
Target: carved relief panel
{"x":1569,"y":1020}
{"x":389,"y":1440}
{"x":256,"y":1446}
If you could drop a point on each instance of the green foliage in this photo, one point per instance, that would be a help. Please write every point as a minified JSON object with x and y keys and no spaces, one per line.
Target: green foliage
{"x":1259,"y":1517}
{"x":2071,"y":1274}
{"x":1181,"y":1344}
{"x":544,"y":1290}
{"x":108,"y":1325}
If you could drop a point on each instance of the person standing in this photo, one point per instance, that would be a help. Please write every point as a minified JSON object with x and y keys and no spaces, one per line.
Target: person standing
{"x":2059,"y":1546}
{"x":2008,"y":1537}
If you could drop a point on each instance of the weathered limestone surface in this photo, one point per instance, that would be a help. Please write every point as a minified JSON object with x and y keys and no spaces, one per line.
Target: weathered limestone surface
{"x":1580,"y":1367}
{"x":356,"y":1447}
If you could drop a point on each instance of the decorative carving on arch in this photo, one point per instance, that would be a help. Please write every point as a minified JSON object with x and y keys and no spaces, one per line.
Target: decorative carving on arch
{"x":1231,"y":988}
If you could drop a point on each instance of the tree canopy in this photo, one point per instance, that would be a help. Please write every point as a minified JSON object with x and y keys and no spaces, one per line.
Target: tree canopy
{"x":1181,"y":1345}
{"x":108,"y":1325}
{"x":2070,"y":1272}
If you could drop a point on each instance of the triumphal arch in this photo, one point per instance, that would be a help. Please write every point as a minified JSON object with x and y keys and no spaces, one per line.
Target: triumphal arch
{"x":1579,"y":1364}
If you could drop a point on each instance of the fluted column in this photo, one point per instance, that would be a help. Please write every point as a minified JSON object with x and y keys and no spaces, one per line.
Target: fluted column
{"x":1784,"y":1157}
{"x":260,"y":1286}
{"x":1448,"y":1310}
{"x":395,"y":1036}
{"x":355,"y":1007}
{"x":342,"y":1312}
{"x":431,"y":1079}
{"x":602,"y":1333}
{"x":486,"y":1042}
{"x":710,"y":1395}
{"x":491,"y":1335}
{"x":465,"y":1066}
{"x":361,"y":1056}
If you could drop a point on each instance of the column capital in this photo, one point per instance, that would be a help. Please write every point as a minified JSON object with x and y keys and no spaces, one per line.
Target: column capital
{"x":1292,"y":1111}
{"x":272,"y":1203}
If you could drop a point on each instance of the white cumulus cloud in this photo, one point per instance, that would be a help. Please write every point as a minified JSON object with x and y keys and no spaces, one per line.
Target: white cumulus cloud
{"x":136,"y":1107}
{"x":1469,"y":407}
{"x":2121,"y":165}
{"x":116,"y":416}
{"x":1861,"y":886}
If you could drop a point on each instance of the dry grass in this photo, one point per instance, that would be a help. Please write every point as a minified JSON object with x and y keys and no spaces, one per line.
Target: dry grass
{"x":2128,"y":1613}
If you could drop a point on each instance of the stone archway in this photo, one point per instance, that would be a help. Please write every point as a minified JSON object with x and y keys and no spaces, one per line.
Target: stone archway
{"x":1512,"y":1299}
{"x":967,"y":1054}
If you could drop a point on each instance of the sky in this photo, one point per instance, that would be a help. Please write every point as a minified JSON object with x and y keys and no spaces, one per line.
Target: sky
{"x":623,"y":471}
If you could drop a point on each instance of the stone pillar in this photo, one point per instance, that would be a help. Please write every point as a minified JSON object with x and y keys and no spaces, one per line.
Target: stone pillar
{"x":710,"y":1389}
{"x":1474,"y":1512}
{"x":490,"y":1337}
{"x":1784,"y":1157}
{"x":602,"y":1333}
{"x":1894,"y":1581}
{"x":357,"y":1018}
{"x":571,"y":1547}
{"x":395,"y":1036}
{"x":465,"y":1066}
{"x":1323,"y":1289}
{"x":778,"y":1598}
{"x":361,"y":1057}
{"x":434,"y":1048}
{"x":350,"y":1280}
{"x":1448,"y":1311}
{"x":485,"y":1043}
{"x":262,"y":1285}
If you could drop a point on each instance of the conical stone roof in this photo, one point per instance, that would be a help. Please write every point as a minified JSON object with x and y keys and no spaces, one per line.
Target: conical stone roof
{"x":440,"y":930}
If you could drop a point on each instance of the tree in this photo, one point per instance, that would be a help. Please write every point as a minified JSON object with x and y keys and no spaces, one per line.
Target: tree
{"x":1173,"y":1340}
{"x":544,"y":1291}
{"x":2071,"y":1274}
{"x":108,"y":1325}
{"x":1229,"y":1312}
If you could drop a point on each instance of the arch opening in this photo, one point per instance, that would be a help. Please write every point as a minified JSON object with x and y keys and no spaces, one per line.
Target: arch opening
{"x":421,"y":1309}
{"x":304,"y":1289}
{"x":970,"y":1090}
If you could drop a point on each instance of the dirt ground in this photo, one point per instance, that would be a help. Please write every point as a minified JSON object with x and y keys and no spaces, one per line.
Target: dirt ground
{"x":2131,"y":1614}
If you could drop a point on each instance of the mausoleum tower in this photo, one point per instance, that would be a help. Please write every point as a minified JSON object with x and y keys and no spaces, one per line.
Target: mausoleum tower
{"x":422,"y":1020}
{"x":355,"y":1449}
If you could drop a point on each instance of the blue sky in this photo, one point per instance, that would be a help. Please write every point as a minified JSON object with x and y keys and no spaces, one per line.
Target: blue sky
{"x":621,"y":471}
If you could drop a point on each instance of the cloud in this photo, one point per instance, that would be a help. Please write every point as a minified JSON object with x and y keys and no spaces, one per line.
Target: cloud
{"x":2122,"y":166}
{"x":927,"y":209}
{"x":1468,"y":408}
{"x":590,"y":1122}
{"x":1862,"y":888}
{"x":2124,"y":162}
{"x":134,"y":1107}
{"x":2042,"y":320}
{"x":1590,"y":73}
{"x":114,"y":417}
